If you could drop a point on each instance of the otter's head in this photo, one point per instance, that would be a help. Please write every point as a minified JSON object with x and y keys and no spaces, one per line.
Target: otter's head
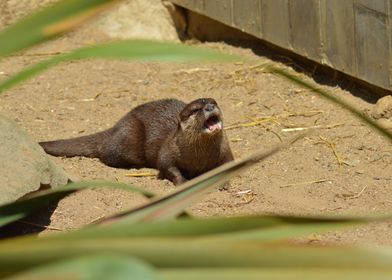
{"x":203,"y":116}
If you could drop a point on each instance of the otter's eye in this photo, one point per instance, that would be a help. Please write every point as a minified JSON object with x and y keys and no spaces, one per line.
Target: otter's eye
{"x":194,"y":111}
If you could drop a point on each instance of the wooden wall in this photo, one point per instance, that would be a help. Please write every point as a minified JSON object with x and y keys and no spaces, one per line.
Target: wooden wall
{"x":352,"y":36}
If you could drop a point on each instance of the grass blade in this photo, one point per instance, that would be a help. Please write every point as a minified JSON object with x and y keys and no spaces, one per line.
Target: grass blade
{"x":172,"y":205}
{"x":257,"y":228}
{"x":94,"y":267}
{"x":49,"y":22}
{"x":129,"y":49}
{"x":193,"y":253}
{"x":20,"y":209}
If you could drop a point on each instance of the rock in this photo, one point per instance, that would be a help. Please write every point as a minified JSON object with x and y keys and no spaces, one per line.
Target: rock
{"x":383,"y":108}
{"x":144,"y":19}
{"x":24,"y":166}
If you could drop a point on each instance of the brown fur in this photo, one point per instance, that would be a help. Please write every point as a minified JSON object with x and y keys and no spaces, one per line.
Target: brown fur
{"x":166,"y":134}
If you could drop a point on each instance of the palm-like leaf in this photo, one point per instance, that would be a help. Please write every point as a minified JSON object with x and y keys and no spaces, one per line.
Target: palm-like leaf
{"x":49,"y":22}
{"x":17,"y":210}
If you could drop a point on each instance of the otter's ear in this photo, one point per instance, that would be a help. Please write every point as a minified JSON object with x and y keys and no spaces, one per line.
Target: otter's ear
{"x":212,"y":101}
{"x":183,"y":115}
{"x":181,"y":123}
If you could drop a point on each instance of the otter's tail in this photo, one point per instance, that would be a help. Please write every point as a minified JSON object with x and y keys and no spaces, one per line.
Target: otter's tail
{"x":87,"y":146}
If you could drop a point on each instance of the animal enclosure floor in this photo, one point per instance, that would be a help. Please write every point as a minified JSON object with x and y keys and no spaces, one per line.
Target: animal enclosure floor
{"x":342,"y":167}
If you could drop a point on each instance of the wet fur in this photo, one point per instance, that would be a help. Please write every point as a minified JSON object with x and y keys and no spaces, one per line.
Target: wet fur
{"x":163,"y":134}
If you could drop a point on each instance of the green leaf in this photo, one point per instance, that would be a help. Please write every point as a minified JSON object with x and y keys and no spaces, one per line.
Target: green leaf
{"x":267,"y":229}
{"x":16,"y":210}
{"x":205,"y":232}
{"x":93,"y":267}
{"x":130,"y":49}
{"x":194,"y":253}
{"x":49,"y":22}
{"x":171,"y":205}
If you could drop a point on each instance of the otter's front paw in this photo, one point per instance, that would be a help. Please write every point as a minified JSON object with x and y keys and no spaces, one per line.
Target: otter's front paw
{"x":172,"y":174}
{"x":179,"y":180}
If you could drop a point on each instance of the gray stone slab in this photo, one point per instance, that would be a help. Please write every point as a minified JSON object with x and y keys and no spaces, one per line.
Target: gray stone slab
{"x":24,"y":166}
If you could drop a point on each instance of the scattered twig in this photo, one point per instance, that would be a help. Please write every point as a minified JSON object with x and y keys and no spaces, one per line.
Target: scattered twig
{"x":253,"y":123}
{"x":193,"y":70}
{"x":40,"y":226}
{"x":145,"y":174}
{"x":257,"y":66}
{"x":95,"y":97}
{"x":333,"y":148}
{"x":378,"y":158}
{"x":351,"y":195}
{"x":305,"y":114}
{"x":305,"y":183}
{"x":301,"y":91}
{"x":335,"y":208}
{"x":297,"y":129}
{"x":358,"y":194}
{"x":96,"y":220}
{"x":328,"y":126}
{"x":237,"y":139}
{"x":276,"y":134}
{"x":87,"y":99}
{"x":247,"y":196}
{"x":262,"y":120}
{"x":243,"y":192}
{"x":30,"y":107}
{"x":98,"y":95}
{"x":382,"y":178}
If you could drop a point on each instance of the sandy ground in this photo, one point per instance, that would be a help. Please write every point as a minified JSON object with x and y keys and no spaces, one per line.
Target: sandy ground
{"x":341,"y":168}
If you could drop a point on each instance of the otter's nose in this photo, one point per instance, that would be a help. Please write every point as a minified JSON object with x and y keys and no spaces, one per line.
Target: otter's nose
{"x":209,"y":107}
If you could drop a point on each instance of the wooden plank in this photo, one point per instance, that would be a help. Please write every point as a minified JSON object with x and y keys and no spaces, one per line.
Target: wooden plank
{"x":275,"y":22}
{"x":247,"y":16}
{"x":389,"y":32}
{"x":372,"y":56}
{"x":194,"y":5}
{"x":352,"y":36}
{"x":338,"y":36}
{"x":380,"y":6}
{"x":220,"y":10}
{"x":305,"y":27}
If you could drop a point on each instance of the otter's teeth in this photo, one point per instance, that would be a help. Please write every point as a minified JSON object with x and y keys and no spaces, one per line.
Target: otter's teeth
{"x":213,"y":127}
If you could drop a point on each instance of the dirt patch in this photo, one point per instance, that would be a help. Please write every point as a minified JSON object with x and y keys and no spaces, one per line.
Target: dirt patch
{"x":343,"y":167}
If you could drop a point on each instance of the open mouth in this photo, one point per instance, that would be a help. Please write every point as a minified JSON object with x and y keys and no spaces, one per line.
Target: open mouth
{"x":212,"y":124}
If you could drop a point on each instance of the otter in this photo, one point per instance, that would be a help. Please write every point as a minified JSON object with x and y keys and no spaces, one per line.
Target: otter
{"x":181,"y":140}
